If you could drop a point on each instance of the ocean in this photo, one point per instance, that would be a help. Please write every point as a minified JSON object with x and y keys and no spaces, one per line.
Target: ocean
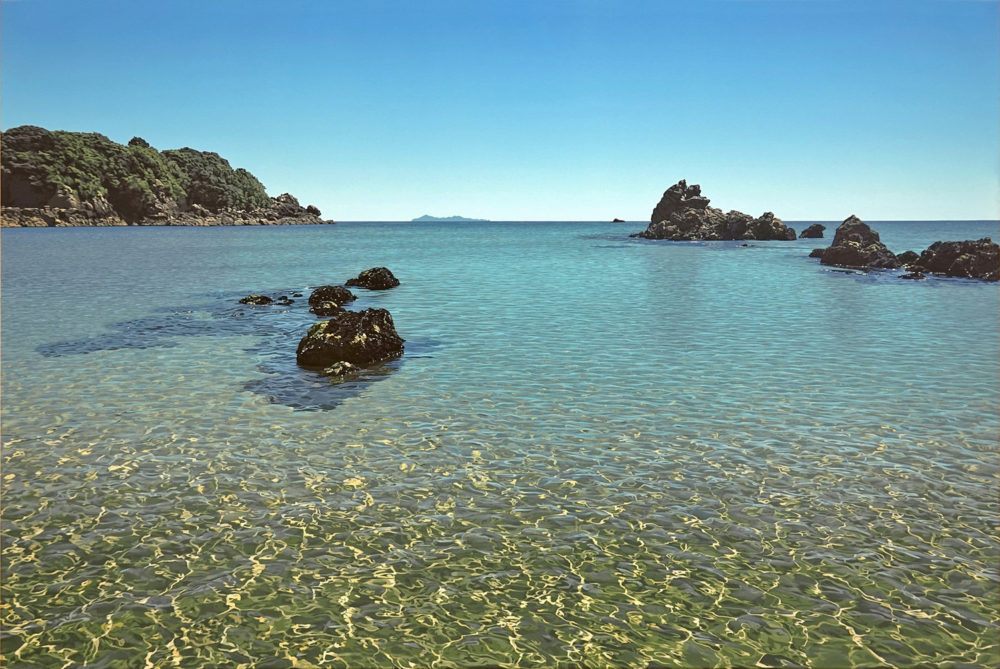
{"x":596,"y":451}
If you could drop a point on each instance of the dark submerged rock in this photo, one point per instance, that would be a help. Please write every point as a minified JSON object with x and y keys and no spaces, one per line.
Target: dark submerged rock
{"x":907,"y":257}
{"x":336,"y":294}
{"x":969,"y":259}
{"x":341,"y":369}
{"x":913,"y":275}
{"x":326,"y":309}
{"x":376,"y":278}
{"x":284,"y":300}
{"x":683,"y":214}
{"x":814,"y":231}
{"x":256,"y":299}
{"x":857,"y":246}
{"x":360,"y":338}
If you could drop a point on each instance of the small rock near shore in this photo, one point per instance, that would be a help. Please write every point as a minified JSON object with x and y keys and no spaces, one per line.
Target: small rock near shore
{"x":336,"y":294}
{"x":326,"y":309}
{"x":361,"y":338}
{"x":376,"y":278}
{"x":254,"y":298}
{"x":814,"y":231}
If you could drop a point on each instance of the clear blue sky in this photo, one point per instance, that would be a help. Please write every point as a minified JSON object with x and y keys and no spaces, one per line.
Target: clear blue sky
{"x":538,"y":109}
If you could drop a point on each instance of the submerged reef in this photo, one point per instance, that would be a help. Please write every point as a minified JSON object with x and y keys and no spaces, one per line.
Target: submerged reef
{"x":57,"y":178}
{"x":683,"y":214}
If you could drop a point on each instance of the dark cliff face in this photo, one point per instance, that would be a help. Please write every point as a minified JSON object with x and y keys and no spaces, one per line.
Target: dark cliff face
{"x":74,"y":178}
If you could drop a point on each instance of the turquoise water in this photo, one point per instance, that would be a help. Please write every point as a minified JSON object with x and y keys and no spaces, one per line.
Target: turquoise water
{"x":596,"y":451}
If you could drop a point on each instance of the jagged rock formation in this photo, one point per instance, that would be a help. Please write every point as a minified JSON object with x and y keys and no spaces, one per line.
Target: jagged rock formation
{"x":360,"y":338}
{"x":683,"y":214}
{"x":59,"y":178}
{"x":907,"y":257}
{"x":969,"y":259}
{"x":857,"y":246}
{"x":376,"y":278}
{"x":814,"y":231}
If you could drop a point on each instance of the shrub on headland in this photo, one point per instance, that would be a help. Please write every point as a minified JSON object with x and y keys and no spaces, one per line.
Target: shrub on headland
{"x":87,"y":172}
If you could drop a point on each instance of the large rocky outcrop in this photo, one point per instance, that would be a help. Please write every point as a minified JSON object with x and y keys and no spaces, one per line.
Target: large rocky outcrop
{"x":683,"y":214}
{"x":58,"y":178}
{"x":857,"y":246}
{"x":360,"y":338}
{"x":970,"y":259}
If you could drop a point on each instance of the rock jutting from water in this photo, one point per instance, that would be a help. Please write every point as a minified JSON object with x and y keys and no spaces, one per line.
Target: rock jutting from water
{"x":969,"y":259}
{"x":857,"y":246}
{"x":329,"y":300}
{"x":257,"y":299}
{"x":336,"y":294}
{"x":683,"y":214}
{"x":814,"y":231}
{"x":58,"y":178}
{"x":376,"y":278}
{"x":907,"y":257}
{"x":360,"y":338}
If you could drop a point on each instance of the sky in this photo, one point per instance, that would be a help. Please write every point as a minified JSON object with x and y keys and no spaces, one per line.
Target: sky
{"x":538,"y":109}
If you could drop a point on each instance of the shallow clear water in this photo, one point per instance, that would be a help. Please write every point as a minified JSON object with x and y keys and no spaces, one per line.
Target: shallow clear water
{"x":596,"y":451}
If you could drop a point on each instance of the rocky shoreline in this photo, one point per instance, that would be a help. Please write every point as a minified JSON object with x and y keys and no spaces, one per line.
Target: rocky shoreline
{"x":71,"y":179}
{"x":283,"y":210}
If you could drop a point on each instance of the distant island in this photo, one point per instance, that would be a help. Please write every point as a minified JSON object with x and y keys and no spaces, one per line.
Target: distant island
{"x":56,"y":178}
{"x":449,"y":219}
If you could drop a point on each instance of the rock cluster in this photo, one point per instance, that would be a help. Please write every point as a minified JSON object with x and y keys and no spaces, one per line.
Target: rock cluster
{"x":858,"y":246}
{"x":683,"y":214}
{"x":969,"y":259}
{"x":349,"y":341}
{"x":814,"y":231}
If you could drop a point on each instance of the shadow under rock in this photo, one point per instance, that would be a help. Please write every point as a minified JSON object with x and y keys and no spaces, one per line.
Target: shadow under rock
{"x":280,"y":328}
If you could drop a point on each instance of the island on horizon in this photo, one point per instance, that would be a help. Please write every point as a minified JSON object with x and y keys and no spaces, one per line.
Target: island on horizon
{"x":449,"y":219}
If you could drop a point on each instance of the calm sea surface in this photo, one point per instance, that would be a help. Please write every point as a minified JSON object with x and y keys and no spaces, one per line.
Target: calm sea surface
{"x":596,"y":451}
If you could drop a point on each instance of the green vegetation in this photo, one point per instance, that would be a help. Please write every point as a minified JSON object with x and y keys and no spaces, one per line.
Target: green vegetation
{"x":136,"y":180}
{"x":208,"y":180}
